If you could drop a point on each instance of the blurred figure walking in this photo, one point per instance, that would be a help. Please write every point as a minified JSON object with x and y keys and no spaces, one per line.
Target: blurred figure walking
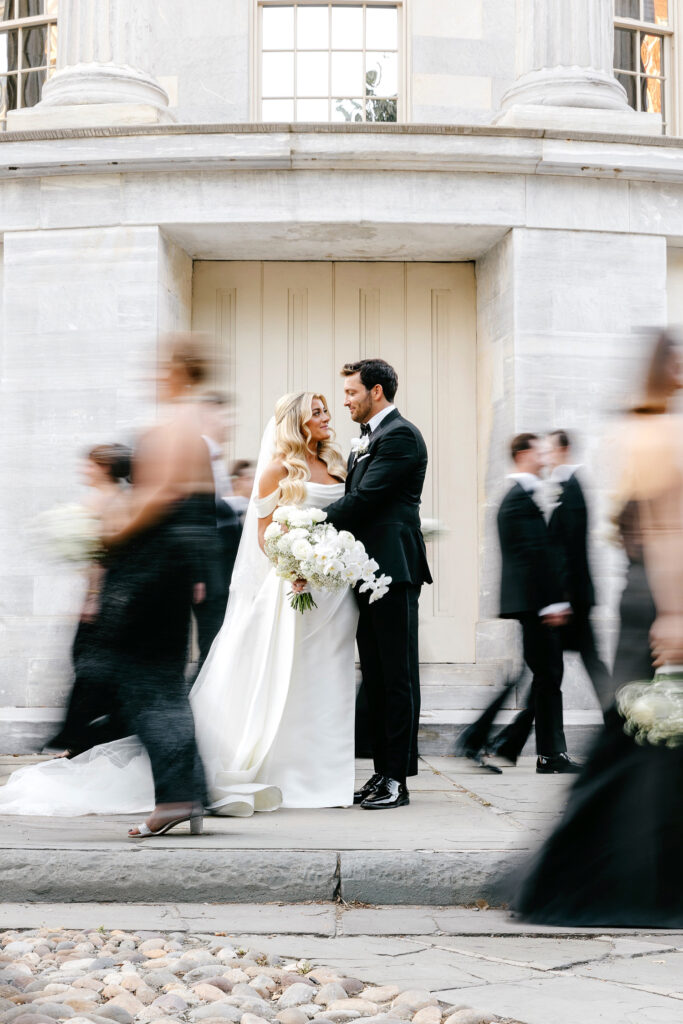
{"x":219,"y":553}
{"x":615,"y":858}
{"x":531,"y":591}
{"x":155,"y":573}
{"x":568,"y":531}
{"x":106,"y":469}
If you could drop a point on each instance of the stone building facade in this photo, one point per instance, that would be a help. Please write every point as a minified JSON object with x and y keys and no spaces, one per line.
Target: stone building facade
{"x":462,"y":186}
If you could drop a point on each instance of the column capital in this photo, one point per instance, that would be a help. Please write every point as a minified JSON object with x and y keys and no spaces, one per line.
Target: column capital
{"x":564,"y":71}
{"x":101,"y":76}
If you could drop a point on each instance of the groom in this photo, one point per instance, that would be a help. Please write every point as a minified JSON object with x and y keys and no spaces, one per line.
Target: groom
{"x":381,"y":508}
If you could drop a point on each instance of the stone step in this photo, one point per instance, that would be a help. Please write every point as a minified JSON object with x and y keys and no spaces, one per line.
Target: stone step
{"x":440,"y":728}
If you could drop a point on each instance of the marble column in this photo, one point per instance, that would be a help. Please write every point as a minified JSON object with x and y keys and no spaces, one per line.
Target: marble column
{"x":102,"y":76}
{"x":564,"y":71}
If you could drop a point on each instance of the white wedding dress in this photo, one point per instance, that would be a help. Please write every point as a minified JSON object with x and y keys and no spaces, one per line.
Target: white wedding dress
{"x":273,"y":706}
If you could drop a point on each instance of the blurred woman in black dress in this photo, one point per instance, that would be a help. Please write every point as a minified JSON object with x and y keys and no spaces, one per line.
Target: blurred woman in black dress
{"x":155,"y":574}
{"x":615,"y":858}
{"x":106,"y":469}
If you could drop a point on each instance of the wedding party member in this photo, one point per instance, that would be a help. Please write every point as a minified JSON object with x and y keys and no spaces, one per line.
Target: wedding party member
{"x":106,"y":469}
{"x":381,"y":507}
{"x":615,"y":858}
{"x":274,"y":702}
{"x":568,"y":530}
{"x":219,"y":556}
{"x":532,"y":592}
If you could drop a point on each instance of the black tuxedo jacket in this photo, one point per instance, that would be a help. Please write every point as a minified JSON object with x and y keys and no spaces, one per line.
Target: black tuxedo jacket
{"x":381,"y":506}
{"x":531,"y":567}
{"x":568,"y":528}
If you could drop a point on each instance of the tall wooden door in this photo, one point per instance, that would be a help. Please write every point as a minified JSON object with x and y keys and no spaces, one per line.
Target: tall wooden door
{"x":282,"y":327}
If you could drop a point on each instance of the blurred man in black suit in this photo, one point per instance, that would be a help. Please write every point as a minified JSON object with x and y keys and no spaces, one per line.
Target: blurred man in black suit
{"x":568,"y":529}
{"x":532,"y":592}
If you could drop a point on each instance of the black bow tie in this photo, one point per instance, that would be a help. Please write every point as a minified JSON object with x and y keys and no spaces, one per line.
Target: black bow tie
{"x":365,"y":429}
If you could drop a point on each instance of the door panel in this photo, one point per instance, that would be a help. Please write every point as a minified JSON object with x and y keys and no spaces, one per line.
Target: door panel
{"x":288,"y":326}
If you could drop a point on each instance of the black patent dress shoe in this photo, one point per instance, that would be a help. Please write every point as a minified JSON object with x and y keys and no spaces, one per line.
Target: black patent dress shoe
{"x":389,"y":793}
{"x":369,"y":787}
{"x":558,"y":764}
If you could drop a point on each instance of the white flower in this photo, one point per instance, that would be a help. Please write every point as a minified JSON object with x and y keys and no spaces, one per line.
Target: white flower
{"x":317,"y":515}
{"x":298,"y":533}
{"x":368,"y":569}
{"x":346,"y":539}
{"x":272,"y":530}
{"x":301,"y":548}
{"x":359,"y":445}
{"x":284,"y":545}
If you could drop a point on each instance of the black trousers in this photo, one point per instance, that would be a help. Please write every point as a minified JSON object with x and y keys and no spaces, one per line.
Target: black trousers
{"x":209,"y":614}
{"x":390,"y":665}
{"x":543,"y":654}
{"x":583,"y":641}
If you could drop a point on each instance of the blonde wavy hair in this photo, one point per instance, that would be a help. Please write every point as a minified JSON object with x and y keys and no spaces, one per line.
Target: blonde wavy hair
{"x":292,"y":436}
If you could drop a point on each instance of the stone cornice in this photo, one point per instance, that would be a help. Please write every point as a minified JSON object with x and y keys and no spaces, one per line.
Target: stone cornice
{"x":471,"y":148}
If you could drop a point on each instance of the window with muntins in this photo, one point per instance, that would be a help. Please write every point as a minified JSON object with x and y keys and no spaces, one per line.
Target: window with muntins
{"x":329,"y":61}
{"x":642,"y":54}
{"x":28,"y":51}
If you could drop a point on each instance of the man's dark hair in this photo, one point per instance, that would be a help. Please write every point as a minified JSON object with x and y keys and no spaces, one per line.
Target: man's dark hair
{"x":373,"y":372}
{"x":560,"y":438}
{"x":521,"y":443}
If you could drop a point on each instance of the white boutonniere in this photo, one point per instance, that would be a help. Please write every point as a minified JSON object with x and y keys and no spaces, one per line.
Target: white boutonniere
{"x":360,"y":445}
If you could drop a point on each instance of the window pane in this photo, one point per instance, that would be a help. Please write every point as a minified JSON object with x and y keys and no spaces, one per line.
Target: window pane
{"x":381,"y":28}
{"x":278,"y":74}
{"x":624,"y":49}
{"x":311,"y":110}
{"x":347,"y":110}
{"x":627,"y":9}
{"x":381,"y":74}
{"x":629,"y":83}
{"x":312,"y":74}
{"x":312,"y":28}
{"x":347,"y":28}
{"x":51,"y":7}
{"x":34,"y":46}
{"x":278,"y":28}
{"x":651,"y":96}
{"x":651,"y":54}
{"x":52,"y":44}
{"x":29,"y":8}
{"x":31,"y":85}
{"x":277,"y":110}
{"x":381,"y":110}
{"x":3,"y":99}
{"x":347,"y":74}
{"x":656,"y":11}
{"x":3,"y":52}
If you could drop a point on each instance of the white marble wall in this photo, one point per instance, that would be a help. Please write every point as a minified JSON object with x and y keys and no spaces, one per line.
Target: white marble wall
{"x":565,"y":321}
{"x":82,"y":311}
{"x":462,"y":59}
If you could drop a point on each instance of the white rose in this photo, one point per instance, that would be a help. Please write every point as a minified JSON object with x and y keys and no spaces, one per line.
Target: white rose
{"x":346,"y":539}
{"x":298,"y":533}
{"x":272,"y":530}
{"x":317,"y":515}
{"x":281,"y":514}
{"x":301,"y":549}
{"x":285,"y":544}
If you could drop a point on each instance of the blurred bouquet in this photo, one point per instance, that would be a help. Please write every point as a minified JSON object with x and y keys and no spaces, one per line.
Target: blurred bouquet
{"x":653,"y":711}
{"x":70,"y":533}
{"x":302,"y":546}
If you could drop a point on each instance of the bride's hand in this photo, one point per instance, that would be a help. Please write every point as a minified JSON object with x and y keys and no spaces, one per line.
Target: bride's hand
{"x":299,"y":585}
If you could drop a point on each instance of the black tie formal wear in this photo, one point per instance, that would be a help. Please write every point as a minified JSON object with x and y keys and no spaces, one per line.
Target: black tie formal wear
{"x":381,"y":508}
{"x":530,"y":582}
{"x":568,"y":530}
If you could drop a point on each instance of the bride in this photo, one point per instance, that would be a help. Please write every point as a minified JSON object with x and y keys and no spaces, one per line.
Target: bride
{"x":274,"y":702}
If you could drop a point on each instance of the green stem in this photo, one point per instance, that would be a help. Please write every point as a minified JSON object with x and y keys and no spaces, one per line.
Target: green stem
{"x":302,"y":602}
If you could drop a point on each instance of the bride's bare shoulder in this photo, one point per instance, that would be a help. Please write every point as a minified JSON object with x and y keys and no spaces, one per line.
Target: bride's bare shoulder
{"x":271,"y":477}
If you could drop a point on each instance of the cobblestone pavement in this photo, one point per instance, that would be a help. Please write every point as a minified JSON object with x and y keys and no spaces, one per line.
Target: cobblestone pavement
{"x":265,"y":964}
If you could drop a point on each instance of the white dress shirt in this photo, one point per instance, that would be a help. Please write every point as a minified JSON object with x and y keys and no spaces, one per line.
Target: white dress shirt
{"x":379,"y":416}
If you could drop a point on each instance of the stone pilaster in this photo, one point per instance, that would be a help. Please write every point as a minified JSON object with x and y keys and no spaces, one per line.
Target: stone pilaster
{"x":102,"y":76}
{"x":564,"y":71}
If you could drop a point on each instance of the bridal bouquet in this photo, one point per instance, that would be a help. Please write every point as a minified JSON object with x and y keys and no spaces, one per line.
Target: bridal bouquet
{"x":302,"y":546}
{"x":71,"y":533}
